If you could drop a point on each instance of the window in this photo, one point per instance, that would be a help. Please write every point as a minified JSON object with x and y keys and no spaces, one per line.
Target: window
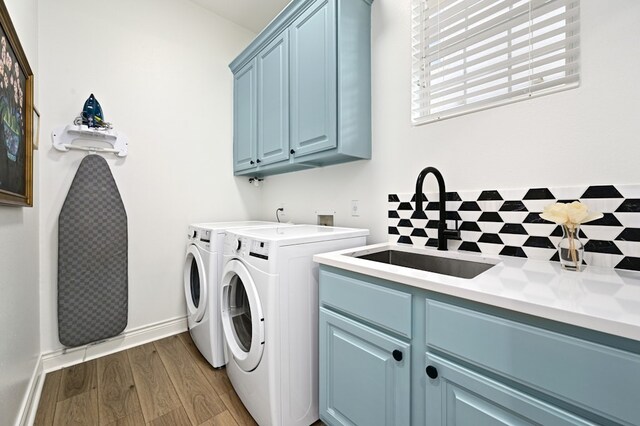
{"x":470,"y":55}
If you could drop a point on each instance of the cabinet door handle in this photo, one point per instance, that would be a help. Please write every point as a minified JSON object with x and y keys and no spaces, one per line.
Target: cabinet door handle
{"x":251,"y":162}
{"x":258,"y":161}
{"x":432,"y":372}
{"x":293,"y":151}
{"x":397,"y":355}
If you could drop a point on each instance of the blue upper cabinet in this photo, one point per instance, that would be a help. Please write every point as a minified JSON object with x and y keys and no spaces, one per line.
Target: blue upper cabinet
{"x":314,"y":80}
{"x":273,"y":101}
{"x":244,"y":112}
{"x":312,"y":93}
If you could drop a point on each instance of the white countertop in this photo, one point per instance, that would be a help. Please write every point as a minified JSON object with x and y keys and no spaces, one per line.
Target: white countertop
{"x":601,"y":299}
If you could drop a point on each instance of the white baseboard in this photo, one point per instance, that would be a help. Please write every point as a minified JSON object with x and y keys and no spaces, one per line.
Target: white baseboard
{"x":31,"y":398}
{"x":61,"y":358}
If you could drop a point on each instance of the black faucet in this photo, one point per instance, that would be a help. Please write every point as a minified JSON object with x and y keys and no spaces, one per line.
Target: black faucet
{"x":443,"y":232}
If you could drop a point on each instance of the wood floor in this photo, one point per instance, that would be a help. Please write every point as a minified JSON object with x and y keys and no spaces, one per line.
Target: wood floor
{"x":166,"y":382}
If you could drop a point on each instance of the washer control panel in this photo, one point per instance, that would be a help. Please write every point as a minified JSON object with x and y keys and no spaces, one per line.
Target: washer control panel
{"x":245,"y":247}
{"x":259,"y":249}
{"x":205,"y":235}
{"x":199,"y":236}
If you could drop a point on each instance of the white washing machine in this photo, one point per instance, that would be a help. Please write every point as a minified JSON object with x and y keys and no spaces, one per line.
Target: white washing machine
{"x":202,"y":272}
{"x":269,"y":309}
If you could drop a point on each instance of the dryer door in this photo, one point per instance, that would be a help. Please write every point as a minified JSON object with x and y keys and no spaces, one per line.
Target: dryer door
{"x":242,"y":318}
{"x":195,"y":280}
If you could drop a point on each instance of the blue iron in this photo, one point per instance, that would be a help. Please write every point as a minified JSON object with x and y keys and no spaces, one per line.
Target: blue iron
{"x":92,"y":113}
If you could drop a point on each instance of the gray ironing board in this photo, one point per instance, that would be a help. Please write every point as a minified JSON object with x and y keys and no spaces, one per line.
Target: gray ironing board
{"x":92,"y":257}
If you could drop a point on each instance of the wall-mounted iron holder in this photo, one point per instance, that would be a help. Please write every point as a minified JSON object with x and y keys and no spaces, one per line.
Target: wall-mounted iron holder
{"x":64,"y":137}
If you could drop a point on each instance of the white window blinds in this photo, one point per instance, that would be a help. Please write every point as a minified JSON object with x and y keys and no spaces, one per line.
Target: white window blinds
{"x":475,"y":54}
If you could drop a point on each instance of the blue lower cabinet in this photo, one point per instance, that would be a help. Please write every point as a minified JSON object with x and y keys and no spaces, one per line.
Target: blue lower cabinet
{"x":365,"y":374}
{"x":577,"y":371}
{"x":458,"y":396}
{"x":462,"y":363}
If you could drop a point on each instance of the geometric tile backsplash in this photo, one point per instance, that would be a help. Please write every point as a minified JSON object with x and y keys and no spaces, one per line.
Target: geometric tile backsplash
{"x":507,"y":222}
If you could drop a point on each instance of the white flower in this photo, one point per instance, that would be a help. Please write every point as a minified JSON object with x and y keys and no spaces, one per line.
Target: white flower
{"x":555,"y":213}
{"x":577,"y":212}
{"x":571,"y":215}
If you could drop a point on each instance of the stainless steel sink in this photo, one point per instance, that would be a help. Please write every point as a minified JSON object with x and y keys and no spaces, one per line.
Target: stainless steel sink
{"x":439,"y":265}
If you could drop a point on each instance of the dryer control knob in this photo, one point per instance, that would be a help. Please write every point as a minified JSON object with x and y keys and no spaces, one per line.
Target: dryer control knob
{"x":238,"y":244}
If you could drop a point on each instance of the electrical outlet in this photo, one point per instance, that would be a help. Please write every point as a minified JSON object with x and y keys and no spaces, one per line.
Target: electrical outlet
{"x":355,"y":208}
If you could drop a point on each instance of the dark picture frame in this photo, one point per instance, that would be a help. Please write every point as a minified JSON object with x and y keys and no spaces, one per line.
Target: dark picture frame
{"x":16,"y":117}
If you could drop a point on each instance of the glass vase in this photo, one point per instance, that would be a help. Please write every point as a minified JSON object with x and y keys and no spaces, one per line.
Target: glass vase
{"x":570,"y":248}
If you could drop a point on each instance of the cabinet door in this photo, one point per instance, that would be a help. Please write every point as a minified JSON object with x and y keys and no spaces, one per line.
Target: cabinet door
{"x":461,"y":397}
{"x":244,"y":117}
{"x":313,"y":79}
{"x":273,"y":101}
{"x":360,"y":381}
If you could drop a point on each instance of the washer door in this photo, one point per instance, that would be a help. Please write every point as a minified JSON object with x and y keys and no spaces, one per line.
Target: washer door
{"x":242,"y":319}
{"x":195,"y":283}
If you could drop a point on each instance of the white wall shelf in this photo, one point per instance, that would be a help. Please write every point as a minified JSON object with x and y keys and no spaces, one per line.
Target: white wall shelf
{"x":64,"y":137}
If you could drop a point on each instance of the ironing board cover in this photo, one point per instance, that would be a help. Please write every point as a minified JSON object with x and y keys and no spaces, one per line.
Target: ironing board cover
{"x":92,"y":257}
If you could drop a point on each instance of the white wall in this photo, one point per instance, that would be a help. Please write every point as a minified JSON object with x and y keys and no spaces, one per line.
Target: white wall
{"x":19,"y":323}
{"x":583,"y":136}
{"x":159,"y":70}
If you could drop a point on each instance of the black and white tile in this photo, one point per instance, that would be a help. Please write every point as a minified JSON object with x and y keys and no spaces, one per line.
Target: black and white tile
{"x":507,"y":222}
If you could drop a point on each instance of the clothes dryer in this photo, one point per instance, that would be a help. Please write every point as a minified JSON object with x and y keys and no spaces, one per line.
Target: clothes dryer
{"x":269,"y":310}
{"x":202,"y":272}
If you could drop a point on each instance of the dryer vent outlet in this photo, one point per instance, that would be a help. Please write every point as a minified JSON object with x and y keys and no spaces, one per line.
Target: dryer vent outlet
{"x":325,"y":220}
